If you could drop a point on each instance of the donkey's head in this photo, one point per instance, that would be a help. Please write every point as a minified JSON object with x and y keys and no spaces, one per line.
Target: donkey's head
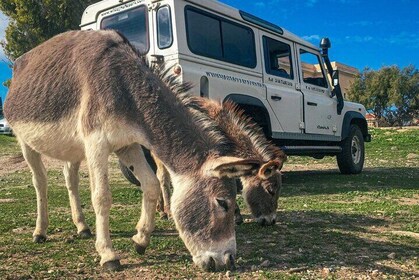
{"x":203,"y":209}
{"x":261,"y":192}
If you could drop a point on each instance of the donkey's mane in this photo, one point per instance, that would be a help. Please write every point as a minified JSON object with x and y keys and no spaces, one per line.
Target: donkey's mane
{"x":252,"y":130}
{"x":228,"y":112}
{"x":182,"y":92}
{"x":203,"y":109}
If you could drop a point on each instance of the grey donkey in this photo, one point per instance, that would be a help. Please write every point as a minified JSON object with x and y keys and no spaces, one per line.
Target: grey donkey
{"x":85,"y":94}
{"x":261,"y":190}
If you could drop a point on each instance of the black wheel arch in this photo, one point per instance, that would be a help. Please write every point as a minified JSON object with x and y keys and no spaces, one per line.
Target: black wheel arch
{"x":251,"y":105}
{"x":357,"y":119}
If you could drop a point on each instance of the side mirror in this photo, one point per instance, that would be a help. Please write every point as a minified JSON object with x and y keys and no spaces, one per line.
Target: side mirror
{"x":335,"y":78}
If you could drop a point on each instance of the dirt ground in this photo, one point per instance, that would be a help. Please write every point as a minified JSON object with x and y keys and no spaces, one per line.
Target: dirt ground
{"x":329,"y":226}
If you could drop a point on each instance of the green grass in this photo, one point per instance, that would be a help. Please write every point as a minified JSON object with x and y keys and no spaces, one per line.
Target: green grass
{"x":330,"y":226}
{"x":8,"y":145}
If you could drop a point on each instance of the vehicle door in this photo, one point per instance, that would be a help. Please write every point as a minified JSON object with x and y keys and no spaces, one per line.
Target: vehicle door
{"x":320,"y":115}
{"x":281,"y":81}
{"x":163,"y":40}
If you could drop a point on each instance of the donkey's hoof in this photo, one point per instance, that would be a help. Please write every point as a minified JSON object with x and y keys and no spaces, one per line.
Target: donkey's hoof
{"x":85,"y":234}
{"x":112,"y":265}
{"x":140,"y":249}
{"x":39,"y":239}
{"x":164,"y":216}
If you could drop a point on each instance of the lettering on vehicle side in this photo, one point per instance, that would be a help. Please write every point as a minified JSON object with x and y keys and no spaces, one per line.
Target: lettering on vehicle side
{"x":323,"y":127}
{"x":315,"y":89}
{"x":235,"y":79}
{"x":280,"y":81}
{"x":121,"y":8}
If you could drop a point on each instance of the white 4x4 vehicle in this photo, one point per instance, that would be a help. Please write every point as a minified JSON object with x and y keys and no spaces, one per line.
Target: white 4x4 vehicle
{"x":230,"y":54}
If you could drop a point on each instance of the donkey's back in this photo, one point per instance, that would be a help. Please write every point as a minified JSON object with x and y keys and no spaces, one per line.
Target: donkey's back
{"x":58,"y":97}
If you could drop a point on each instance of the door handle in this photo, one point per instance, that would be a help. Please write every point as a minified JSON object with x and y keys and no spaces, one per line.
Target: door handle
{"x":311,"y":104}
{"x":276,"y":98}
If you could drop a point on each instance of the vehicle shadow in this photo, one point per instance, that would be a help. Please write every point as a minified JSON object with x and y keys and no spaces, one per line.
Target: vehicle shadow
{"x":332,"y":182}
{"x":314,"y":239}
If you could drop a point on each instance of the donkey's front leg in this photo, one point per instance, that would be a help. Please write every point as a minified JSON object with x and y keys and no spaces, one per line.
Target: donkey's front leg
{"x":71,"y":175}
{"x":39,"y":179}
{"x":133,"y":157}
{"x":97,"y":153}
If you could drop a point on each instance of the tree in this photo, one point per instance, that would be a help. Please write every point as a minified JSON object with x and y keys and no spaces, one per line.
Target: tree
{"x":35,"y":21}
{"x":390,"y":94}
{"x":404,"y":97}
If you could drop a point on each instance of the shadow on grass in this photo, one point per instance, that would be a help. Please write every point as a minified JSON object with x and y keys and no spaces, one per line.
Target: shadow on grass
{"x":320,"y":239}
{"x":309,"y":239}
{"x":332,"y":182}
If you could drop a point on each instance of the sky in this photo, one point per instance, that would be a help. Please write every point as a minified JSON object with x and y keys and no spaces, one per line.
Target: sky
{"x":363,"y":33}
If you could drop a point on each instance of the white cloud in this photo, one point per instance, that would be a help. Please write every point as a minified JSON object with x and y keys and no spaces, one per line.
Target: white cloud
{"x":352,"y":2}
{"x":410,"y":40}
{"x":362,"y":23}
{"x":359,"y":39}
{"x":312,"y":38}
{"x":4,"y":21}
{"x":260,"y":4}
{"x":310,"y":3}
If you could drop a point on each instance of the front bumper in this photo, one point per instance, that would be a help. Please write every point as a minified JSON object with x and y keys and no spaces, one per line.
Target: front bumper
{"x":6,"y":131}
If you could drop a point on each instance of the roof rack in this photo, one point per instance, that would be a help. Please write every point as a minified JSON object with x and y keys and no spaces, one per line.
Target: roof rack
{"x":261,"y":22}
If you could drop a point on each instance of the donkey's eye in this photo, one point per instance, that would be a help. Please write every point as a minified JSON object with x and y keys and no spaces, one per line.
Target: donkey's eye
{"x":222,"y":203}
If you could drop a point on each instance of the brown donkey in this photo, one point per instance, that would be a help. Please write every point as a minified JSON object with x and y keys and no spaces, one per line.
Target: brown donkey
{"x":84,"y":94}
{"x":261,"y":190}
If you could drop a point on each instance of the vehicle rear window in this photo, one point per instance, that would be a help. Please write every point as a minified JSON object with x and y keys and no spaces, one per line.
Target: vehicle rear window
{"x":212,"y":36}
{"x":164,"y":27}
{"x":133,"y":24}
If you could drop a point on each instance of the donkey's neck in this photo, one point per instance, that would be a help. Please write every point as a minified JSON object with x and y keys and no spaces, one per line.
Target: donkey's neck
{"x":182,"y":139}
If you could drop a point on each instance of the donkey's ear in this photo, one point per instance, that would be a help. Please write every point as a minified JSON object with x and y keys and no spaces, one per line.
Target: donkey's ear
{"x":231,"y":167}
{"x":268,"y":169}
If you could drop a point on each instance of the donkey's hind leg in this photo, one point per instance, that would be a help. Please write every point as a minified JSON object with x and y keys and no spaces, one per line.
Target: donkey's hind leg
{"x":71,"y":175}
{"x":133,"y":157}
{"x":165,"y":183}
{"x":39,"y":179}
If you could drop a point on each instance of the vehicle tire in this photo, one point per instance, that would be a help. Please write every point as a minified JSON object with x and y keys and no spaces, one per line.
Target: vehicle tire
{"x":259,"y":117}
{"x":130,"y":176}
{"x":351,"y":159}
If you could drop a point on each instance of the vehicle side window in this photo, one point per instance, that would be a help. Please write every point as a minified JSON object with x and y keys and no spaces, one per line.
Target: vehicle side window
{"x":132,"y":24}
{"x":312,"y":70}
{"x":212,"y":36}
{"x":204,"y":36}
{"x":164,"y":27}
{"x":277,"y":58}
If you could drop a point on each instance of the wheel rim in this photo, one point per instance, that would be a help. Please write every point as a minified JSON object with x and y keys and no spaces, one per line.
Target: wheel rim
{"x":356,"y":150}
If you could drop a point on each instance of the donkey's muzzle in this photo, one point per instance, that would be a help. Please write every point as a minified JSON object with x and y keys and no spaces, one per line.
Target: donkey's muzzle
{"x":212,"y":264}
{"x":267,"y":220}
